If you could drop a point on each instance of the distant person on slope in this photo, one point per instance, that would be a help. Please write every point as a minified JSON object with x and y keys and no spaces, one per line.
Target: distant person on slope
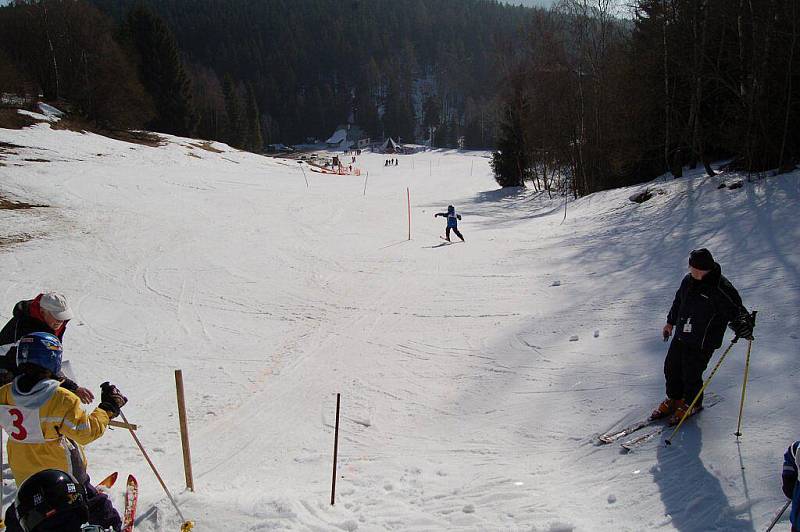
{"x":47,"y":427}
{"x":452,"y":222}
{"x":704,"y":305}
{"x":789,"y":478}
{"x":45,"y":313}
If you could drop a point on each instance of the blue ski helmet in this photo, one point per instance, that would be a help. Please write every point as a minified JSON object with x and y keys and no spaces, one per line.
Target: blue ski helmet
{"x":40,"y":349}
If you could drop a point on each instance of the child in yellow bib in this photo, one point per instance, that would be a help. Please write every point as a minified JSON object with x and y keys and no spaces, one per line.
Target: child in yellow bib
{"x":46,"y":426}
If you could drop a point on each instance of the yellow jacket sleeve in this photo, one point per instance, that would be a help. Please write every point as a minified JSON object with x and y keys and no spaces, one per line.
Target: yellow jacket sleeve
{"x":77,"y":425}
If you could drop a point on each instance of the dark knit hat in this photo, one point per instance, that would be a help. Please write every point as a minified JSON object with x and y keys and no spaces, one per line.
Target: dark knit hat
{"x":701,"y":259}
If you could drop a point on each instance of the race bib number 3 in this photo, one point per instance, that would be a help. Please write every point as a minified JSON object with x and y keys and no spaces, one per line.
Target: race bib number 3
{"x":21,"y":424}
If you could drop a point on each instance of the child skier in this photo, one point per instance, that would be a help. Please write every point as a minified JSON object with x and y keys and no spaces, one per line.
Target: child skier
{"x":47,"y":427}
{"x":53,"y":501}
{"x":452,"y":222}
{"x":789,"y":483}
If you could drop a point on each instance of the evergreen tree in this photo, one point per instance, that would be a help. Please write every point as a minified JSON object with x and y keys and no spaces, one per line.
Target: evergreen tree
{"x":161,"y":72}
{"x":67,"y":51}
{"x":510,"y":161}
{"x":253,"y":117}
{"x":234,"y":129}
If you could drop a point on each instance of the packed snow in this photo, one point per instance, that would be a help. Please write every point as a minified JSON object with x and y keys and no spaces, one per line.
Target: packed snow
{"x":474,"y":378}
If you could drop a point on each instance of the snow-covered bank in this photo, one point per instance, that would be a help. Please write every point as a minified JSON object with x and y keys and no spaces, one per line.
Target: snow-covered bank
{"x":466,"y":404}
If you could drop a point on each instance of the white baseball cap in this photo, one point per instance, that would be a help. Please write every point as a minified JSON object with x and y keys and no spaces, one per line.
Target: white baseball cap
{"x":56,"y":305}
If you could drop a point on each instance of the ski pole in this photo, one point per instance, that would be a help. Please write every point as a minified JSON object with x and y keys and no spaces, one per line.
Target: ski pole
{"x":705,"y":384}
{"x":778,"y":516}
{"x":187,"y":525}
{"x":744,"y":383}
{"x":2,"y":484}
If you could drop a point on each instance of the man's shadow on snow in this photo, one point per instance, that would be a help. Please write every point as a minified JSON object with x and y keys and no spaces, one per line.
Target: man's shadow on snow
{"x":692,"y":496}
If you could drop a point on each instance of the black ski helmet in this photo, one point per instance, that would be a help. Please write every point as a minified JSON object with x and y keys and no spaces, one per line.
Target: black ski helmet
{"x":450,"y":208}
{"x":51,"y":500}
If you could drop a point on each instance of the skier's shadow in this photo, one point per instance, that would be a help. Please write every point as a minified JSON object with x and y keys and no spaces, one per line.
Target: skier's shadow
{"x":692,"y":496}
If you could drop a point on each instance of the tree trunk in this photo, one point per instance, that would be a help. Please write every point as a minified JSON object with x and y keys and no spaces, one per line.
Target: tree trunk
{"x":699,"y":131}
{"x":52,"y":50}
{"x":781,"y":167}
{"x":667,"y":107}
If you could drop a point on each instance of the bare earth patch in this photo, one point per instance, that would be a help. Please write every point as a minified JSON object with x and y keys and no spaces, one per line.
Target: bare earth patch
{"x":11,"y":119}
{"x":14,"y":239}
{"x":206,"y":146}
{"x":144,"y":138}
{"x":17,"y":205}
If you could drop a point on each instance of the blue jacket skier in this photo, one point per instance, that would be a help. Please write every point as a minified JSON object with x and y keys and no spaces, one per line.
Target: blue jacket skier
{"x":789,"y":478}
{"x":452,"y":222}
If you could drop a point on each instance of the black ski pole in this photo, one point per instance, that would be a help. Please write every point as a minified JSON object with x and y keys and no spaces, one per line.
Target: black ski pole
{"x":778,"y":516}
{"x":744,"y":383}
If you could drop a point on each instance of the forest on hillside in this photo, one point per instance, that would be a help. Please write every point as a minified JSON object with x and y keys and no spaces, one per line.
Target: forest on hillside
{"x":572,"y":99}
{"x":593,"y":104}
{"x":290,"y":70}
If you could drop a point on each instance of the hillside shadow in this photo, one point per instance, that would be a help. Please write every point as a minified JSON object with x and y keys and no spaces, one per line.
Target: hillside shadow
{"x":770,"y":225}
{"x":692,"y":495}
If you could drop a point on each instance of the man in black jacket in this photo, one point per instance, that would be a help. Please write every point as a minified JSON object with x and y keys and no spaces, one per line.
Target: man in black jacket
{"x":704,"y":305}
{"x":47,"y":312}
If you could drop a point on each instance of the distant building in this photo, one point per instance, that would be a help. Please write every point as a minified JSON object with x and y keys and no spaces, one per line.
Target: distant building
{"x":390,"y":146}
{"x":347,"y":137}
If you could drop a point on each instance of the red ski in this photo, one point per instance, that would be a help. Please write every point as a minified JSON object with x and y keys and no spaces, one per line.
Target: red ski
{"x":131,"y":496}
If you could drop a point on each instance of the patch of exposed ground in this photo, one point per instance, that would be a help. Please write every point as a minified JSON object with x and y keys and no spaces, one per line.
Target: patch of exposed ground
{"x":17,"y":205}
{"x":144,"y":138}
{"x":206,"y":146}
{"x":14,"y":239}
{"x":11,"y":119}
{"x":7,"y":148}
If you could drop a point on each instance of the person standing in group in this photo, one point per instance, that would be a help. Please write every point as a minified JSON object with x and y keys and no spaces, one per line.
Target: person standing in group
{"x":452,"y":222}
{"x":705,"y":303}
{"x":48,"y":312}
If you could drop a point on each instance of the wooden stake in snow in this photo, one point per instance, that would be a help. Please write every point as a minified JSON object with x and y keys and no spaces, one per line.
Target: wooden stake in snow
{"x":153,"y":467}
{"x":187,"y":455}
{"x":408,"y":197}
{"x":304,"y":172}
{"x":335,"y":450}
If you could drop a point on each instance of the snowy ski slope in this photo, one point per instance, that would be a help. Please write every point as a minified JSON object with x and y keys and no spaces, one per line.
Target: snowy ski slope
{"x":474,"y":377}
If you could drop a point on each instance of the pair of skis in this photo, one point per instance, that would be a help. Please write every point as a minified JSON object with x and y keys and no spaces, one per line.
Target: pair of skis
{"x":631,"y":436}
{"x":131,"y":497}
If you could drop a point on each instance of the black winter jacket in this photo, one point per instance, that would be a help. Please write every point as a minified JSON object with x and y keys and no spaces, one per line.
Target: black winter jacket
{"x":19,"y":325}
{"x":702,"y":309}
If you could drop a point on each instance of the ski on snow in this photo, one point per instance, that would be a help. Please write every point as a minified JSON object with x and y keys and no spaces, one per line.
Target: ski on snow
{"x":617,"y":434}
{"x":107,"y":483}
{"x":632,"y":443}
{"x":612,"y":436}
{"x":131,"y":496}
